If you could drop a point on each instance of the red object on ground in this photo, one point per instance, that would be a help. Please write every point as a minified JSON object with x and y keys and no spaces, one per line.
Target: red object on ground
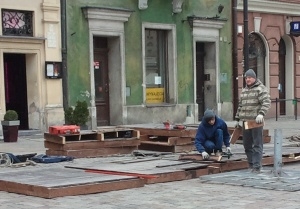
{"x":68,"y":129}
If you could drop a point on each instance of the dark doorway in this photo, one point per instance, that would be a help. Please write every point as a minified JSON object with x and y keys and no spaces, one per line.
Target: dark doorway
{"x":281,"y":87}
{"x":16,"y":86}
{"x":101,"y":81}
{"x":206,"y":86}
{"x":200,"y":54}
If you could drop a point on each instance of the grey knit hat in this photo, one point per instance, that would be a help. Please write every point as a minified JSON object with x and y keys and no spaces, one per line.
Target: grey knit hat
{"x":208,"y":115}
{"x":250,"y":73}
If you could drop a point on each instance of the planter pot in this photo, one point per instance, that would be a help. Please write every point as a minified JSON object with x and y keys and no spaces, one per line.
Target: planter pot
{"x":10,"y":130}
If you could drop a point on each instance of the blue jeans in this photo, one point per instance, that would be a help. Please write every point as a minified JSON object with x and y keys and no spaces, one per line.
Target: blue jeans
{"x":215,"y":144}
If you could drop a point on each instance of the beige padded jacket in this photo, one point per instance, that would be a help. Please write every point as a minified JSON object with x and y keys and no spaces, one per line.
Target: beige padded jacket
{"x":254,"y":100}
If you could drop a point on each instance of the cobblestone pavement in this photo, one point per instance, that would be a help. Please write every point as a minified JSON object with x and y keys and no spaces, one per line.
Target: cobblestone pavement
{"x":188,"y":194}
{"x":288,"y":180}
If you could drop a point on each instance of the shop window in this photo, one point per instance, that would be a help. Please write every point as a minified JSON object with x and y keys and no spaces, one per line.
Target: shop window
{"x":17,"y":23}
{"x":159,"y":66}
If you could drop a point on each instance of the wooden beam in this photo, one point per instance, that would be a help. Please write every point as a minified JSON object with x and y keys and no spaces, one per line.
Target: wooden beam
{"x":252,"y":124}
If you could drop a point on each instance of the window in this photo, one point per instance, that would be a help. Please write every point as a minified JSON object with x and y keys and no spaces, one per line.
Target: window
{"x":159,"y":64}
{"x":17,"y":23}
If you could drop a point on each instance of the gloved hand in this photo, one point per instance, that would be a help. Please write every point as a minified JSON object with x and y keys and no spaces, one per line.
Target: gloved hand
{"x":259,"y":118}
{"x":228,"y":149}
{"x":237,"y":124}
{"x":205,"y":155}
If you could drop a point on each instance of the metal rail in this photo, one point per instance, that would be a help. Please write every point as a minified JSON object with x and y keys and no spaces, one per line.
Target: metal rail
{"x":295,"y":102}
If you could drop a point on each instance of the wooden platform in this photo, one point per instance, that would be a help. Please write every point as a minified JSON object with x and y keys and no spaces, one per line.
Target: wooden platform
{"x":115,"y":173}
{"x":60,"y":182}
{"x":158,"y":138}
{"x":105,"y":142}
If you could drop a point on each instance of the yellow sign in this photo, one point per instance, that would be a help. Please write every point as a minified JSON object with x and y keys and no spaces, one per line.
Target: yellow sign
{"x":155,"y":95}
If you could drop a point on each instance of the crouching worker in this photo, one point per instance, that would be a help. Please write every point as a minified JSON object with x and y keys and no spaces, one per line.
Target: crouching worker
{"x":212,"y":133}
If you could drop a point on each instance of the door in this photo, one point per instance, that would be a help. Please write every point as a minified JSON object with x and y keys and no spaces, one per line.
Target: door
{"x":200,"y":54}
{"x":101,"y":81}
{"x":206,"y":85}
{"x":16,"y":86}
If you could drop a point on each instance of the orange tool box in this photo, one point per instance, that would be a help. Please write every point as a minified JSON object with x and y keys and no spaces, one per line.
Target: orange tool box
{"x":68,"y":129}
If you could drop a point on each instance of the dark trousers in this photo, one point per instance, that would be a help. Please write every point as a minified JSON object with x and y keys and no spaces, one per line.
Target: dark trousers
{"x":215,"y":144}
{"x":253,"y":144}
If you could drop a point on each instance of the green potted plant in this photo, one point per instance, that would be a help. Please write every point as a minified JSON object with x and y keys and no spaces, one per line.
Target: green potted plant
{"x":10,"y":126}
{"x":78,"y":115}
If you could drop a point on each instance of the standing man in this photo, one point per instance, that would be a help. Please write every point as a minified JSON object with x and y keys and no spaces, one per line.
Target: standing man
{"x":254,"y":104}
{"x":211,"y":134}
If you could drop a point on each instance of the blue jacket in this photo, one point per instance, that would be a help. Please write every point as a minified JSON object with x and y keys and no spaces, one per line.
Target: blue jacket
{"x":206,"y":132}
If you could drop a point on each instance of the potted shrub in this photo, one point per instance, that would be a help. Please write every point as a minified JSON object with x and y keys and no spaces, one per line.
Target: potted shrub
{"x":78,"y":115}
{"x":10,"y":126}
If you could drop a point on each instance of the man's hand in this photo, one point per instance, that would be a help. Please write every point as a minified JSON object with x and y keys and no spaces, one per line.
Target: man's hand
{"x":228,"y":149}
{"x":205,"y":155}
{"x":237,"y":124}
{"x":259,"y":118}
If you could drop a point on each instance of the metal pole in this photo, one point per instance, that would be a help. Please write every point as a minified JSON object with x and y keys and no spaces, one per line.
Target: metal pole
{"x":277,"y":152}
{"x":64,"y":53}
{"x":246,"y":37}
{"x":276,"y":108}
{"x":296,"y":108}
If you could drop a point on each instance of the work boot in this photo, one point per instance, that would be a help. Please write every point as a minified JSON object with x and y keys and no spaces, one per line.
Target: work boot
{"x":256,"y":170}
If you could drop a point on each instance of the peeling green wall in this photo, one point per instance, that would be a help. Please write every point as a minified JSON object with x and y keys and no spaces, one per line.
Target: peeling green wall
{"x":158,"y":11}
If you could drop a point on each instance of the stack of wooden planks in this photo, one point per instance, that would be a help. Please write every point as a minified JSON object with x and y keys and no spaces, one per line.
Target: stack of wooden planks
{"x":165,"y":140}
{"x":103,"y":142}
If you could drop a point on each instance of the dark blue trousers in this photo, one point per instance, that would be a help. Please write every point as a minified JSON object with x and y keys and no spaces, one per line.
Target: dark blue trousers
{"x":215,"y":144}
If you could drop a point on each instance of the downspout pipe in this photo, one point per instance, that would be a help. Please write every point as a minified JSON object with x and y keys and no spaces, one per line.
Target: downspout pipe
{"x":246,"y":37}
{"x":235,"y":86}
{"x":64,"y":53}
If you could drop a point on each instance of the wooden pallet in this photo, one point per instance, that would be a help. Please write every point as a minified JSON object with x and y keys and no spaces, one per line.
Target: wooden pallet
{"x":60,"y":182}
{"x":92,"y":144}
{"x":116,"y":133}
{"x":165,"y":132}
{"x":165,"y":140}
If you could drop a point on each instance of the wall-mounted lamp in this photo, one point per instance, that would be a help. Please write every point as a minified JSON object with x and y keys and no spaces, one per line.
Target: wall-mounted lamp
{"x":239,"y":29}
{"x":143,"y":4}
{"x":177,"y":6}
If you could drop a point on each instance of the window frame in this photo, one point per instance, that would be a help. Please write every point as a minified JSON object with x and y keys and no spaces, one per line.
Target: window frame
{"x":27,"y":29}
{"x":171,"y":62}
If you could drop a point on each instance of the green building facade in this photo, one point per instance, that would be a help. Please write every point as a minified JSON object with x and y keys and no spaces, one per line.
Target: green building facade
{"x":148,"y":61}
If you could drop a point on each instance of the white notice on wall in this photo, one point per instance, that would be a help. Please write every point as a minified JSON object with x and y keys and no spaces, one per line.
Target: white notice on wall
{"x":50,"y":69}
{"x":157,"y":80}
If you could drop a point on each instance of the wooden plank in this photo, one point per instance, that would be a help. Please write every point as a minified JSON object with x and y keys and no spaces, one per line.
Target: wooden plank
{"x":236,"y":135}
{"x":165,"y":132}
{"x":117,"y":133}
{"x":266,"y":139}
{"x":101,"y":152}
{"x":186,"y":148}
{"x":265,"y":131}
{"x":55,"y":138}
{"x":198,"y":157}
{"x":79,"y":145}
{"x":62,"y":139}
{"x":165,"y":147}
{"x":180,"y":140}
{"x":252,"y":124}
